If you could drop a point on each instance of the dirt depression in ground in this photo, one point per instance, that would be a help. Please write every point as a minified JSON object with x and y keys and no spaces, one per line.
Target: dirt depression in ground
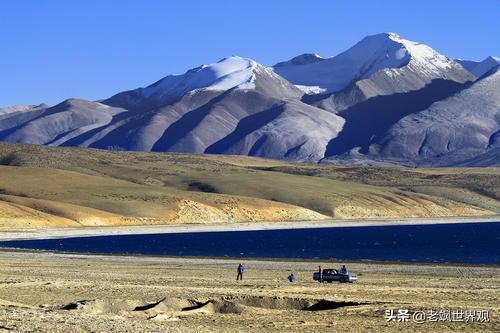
{"x":77,"y":293}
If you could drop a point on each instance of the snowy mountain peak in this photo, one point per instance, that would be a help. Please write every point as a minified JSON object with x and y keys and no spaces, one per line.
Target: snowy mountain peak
{"x":423,"y":54}
{"x":372,"y":54}
{"x":303,"y":59}
{"x":393,"y":102}
{"x":393,"y":35}
{"x":227,"y":73}
{"x":400,"y":52}
{"x":360,"y":61}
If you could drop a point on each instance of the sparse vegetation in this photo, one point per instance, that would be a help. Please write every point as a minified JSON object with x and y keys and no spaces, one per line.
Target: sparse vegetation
{"x":202,"y":187}
{"x":122,"y":187}
{"x":7,"y":159}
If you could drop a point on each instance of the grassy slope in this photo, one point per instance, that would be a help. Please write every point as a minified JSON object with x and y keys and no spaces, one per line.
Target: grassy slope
{"x":75,"y":186}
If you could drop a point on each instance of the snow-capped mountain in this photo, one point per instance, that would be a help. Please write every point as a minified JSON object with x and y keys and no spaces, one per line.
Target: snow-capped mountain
{"x":233,"y":106}
{"x":333,"y":74}
{"x":381,"y":64}
{"x":369,"y":105}
{"x":229,"y":73}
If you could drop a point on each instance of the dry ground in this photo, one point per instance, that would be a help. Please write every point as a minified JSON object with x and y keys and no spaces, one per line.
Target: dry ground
{"x":43,"y":292}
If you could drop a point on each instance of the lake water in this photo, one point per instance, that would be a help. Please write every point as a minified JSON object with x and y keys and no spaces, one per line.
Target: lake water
{"x":476,"y":243}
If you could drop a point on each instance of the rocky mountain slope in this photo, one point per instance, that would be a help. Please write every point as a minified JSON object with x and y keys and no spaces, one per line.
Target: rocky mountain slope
{"x":481,"y":68}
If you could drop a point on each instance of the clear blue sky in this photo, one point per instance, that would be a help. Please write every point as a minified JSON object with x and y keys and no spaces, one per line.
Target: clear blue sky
{"x":51,"y":50}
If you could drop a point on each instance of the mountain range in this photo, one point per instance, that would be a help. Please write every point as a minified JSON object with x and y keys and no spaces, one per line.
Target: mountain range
{"x":384,"y":101}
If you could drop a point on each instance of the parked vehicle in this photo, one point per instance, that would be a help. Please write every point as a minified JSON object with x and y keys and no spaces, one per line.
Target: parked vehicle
{"x":331,"y":274}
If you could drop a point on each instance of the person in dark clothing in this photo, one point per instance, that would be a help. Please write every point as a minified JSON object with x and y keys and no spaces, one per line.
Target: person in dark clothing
{"x":291,"y":277}
{"x":320,"y":274}
{"x":240,"y":270}
{"x":343,"y":270}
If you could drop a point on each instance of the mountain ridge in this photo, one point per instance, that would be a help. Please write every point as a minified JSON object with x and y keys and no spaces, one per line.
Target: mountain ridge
{"x":299,"y":110}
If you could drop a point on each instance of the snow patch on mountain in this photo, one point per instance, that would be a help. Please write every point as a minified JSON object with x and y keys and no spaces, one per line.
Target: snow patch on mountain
{"x":423,"y":58}
{"x":303,"y":59}
{"x":224,"y":75}
{"x":385,"y":52}
{"x":311,"y":90}
{"x":333,"y":74}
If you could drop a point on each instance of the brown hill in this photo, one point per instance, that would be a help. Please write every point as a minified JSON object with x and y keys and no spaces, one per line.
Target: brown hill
{"x":49,"y":186}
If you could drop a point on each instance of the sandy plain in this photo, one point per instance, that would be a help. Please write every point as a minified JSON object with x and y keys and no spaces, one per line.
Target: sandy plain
{"x":51,"y":292}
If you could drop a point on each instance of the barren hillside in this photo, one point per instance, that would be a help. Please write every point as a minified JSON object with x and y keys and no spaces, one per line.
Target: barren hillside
{"x":55,"y":186}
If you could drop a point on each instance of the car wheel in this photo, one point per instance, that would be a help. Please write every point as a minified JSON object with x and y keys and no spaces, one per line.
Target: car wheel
{"x":329,"y":281}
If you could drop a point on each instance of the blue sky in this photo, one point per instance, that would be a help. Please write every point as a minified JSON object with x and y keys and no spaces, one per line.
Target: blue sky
{"x":51,"y":50}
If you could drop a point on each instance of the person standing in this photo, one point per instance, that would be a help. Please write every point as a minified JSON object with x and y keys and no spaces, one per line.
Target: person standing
{"x":320,"y":274}
{"x":291,"y":277}
{"x":240,"y":270}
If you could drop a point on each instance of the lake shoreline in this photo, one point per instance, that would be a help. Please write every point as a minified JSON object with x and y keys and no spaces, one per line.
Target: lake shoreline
{"x":56,"y":233}
{"x":135,"y":256}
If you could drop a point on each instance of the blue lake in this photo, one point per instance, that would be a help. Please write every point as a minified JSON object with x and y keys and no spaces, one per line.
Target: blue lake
{"x":476,"y":243}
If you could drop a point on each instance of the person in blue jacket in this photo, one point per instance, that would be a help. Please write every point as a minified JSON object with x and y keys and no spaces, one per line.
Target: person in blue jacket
{"x":240,"y":270}
{"x":291,"y":277}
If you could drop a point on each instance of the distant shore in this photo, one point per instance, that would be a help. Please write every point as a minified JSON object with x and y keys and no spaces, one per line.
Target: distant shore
{"x":50,"y":233}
